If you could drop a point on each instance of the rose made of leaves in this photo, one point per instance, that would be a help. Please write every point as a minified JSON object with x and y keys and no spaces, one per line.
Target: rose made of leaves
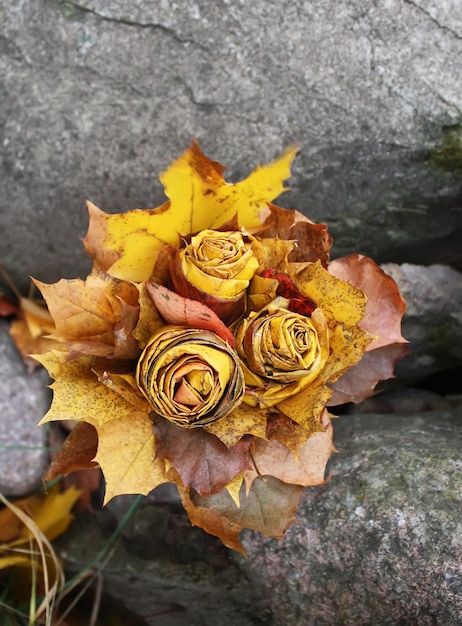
{"x":206,"y":343}
{"x":219,"y":263}
{"x":216,"y":268}
{"x":282,"y":352}
{"x":191,"y":377}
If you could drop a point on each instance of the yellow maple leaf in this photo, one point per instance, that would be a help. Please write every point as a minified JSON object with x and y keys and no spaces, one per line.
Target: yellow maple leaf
{"x":242,"y":421}
{"x":79,"y":395}
{"x":127,"y":245}
{"x":37,"y":515}
{"x":337,"y":299}
{"x":126,"y":455}
{"x":126,"y":450}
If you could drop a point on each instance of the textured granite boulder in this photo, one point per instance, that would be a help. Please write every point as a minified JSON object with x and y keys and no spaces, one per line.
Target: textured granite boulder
{"x":163,"y":571}
{"x":98,"y":97}
{"x":24,"y":399}
{"x":433,"y":319}
{"x":381,"y":543}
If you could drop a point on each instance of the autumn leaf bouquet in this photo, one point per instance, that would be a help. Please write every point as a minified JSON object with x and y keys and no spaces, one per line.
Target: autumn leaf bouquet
{"x":207,"y":342}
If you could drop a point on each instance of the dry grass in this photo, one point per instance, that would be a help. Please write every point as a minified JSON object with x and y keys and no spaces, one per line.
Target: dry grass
{"x":48,"y":601}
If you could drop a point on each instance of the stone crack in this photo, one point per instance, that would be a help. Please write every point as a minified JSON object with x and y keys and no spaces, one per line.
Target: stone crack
{"x":124,"y":21}
{"x":433,"y":19}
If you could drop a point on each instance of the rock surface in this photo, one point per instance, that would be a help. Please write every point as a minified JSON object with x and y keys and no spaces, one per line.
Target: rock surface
{"x":99,"y":97}
{"x":381,"y":543}
{"x":24,"y":399}
{"x":166,"y":572}
{"x":433,"y":319}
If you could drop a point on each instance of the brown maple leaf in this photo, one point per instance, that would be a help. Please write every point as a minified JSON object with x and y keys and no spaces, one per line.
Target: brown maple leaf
{"x":201,"y":459}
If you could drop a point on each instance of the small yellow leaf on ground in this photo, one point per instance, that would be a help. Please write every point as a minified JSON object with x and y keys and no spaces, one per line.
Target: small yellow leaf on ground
{"x":47,"y":513}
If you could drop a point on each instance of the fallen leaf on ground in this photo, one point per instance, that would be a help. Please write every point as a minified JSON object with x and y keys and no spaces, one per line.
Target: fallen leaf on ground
{"x":51,"y":513}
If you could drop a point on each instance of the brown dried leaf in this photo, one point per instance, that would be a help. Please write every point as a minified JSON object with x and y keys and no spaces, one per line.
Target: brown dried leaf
{"x":360,"y":380}
{"x":269,"y":508}
{"x":211,"y":521}
{"x":284,"y":430}
{"x":30,"y":331}
{"x":26,"y":344}
{"x":87,"y":481}
{"x":201,"y":459}
{"x":275,"y":459}
{"x":77,"y":452}
{"x":94,"y":316}
{"x":125,"y":344}
{"x":95,"y":237}
{"x":313,"y":240}
{"x":385,"y":306}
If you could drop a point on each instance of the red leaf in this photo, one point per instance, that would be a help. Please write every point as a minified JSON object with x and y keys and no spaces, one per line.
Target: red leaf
{"x":298,"y":303}
{"x":186,"y":312}
{"x":384,"y":310}
{"x":200,"y":458}
{"x":7,"y":307}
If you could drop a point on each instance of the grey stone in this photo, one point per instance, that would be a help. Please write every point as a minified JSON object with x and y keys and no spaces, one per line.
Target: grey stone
{"x":433,"y":320}
{"x":403,"y":401}
{"x":24,"y":399}
{"x":99,"y":97}
{"x":381,"y":543}
{"x":164,"y":571}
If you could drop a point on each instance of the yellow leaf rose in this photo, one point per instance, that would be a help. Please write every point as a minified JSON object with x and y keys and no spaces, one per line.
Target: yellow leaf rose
{"x":219,"y":263}
{"x":216,"y":268}
{"x":282,"y":352}
{"x":191,"y":377}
